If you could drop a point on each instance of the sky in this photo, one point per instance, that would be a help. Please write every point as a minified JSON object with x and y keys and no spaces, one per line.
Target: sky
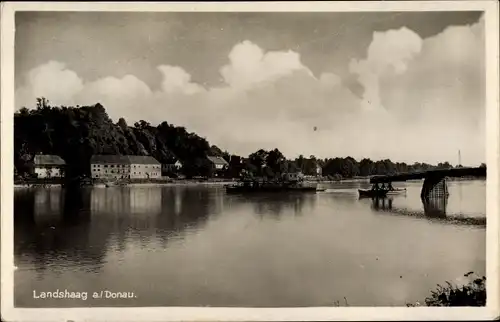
{"x":407,"y":86}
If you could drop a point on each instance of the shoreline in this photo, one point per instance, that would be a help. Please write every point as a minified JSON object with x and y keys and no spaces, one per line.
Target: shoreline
{"x":185,"y":182}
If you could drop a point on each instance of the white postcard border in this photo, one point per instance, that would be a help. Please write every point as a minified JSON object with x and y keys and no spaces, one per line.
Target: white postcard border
{"x":491,"y":311}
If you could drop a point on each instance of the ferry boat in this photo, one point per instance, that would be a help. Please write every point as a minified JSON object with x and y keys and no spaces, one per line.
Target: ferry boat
{"x":261,"y":185}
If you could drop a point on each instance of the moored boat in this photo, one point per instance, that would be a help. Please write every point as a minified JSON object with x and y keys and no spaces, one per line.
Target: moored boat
{"x":372,"y":193}
{"x":396,"y":191}
{"x":281,"y":185}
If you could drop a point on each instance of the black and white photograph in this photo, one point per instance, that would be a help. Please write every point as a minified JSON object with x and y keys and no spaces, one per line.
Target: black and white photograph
{"x":249,"y":156}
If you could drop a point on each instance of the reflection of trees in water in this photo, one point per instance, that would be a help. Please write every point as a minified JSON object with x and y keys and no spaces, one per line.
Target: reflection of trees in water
{"x":434,"y":208}
{"x":276,"y":204}
{"x":53,"y":227}
{"x":61,"y":227}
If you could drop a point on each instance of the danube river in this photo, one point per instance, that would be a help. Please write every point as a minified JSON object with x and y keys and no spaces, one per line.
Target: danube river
{"x":197,"y":246}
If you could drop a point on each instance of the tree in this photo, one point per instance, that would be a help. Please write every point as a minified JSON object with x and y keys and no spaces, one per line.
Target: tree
{"x":366,"y":167}
{"x":275,"y":161}
{"x":258,"y":160}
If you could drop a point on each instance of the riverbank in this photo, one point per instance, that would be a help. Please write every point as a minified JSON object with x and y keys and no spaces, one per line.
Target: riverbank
{"x":133,"y":183}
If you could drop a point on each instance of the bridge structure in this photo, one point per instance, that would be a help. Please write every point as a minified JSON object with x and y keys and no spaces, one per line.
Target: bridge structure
{"x":434,"y":180}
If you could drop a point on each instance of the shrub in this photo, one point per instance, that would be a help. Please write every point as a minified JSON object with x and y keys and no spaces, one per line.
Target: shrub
{"x":470,"y":294}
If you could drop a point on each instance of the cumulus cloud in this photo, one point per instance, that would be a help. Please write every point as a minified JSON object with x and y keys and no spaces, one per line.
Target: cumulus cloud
{"x":388,"y":53}
{"x":249,"y":65}
{"x":423,"y":99}
{"x":52,"y":80}
{"x":176,"y":79}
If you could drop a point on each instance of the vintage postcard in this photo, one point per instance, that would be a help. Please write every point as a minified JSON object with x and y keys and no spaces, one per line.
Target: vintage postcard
{"x":258,"y":161}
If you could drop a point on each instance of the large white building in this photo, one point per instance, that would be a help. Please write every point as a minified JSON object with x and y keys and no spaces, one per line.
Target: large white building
{"x":48,"y":166}
{"x":124,"y":167}
{"x":144,"y":167}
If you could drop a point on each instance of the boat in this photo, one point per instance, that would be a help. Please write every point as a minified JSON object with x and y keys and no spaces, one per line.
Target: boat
{"x":396,"y":191}
{"x":372,"y":193}
{"x":254,"y":185}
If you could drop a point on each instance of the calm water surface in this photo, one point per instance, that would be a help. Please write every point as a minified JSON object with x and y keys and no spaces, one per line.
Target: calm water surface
{"x":197,"y":246}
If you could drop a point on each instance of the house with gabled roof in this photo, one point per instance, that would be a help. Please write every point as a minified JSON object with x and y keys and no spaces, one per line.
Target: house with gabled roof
{"x":218,"y":162}
{"x":48,"y":166}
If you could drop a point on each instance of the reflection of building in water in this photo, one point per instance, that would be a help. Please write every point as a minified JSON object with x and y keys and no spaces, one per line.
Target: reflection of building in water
{"x":178,"y":201}
{"x":111,"y":200}
{"x":124,"y":200}
{"x":48,"y":202}
{"x":145,"y":200}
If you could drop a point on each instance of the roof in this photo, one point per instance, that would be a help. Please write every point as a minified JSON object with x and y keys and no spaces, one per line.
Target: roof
{"x":217,"y":160}
{"x":142,"y":159}
{"x":124,"y":159}
{"x":109,"y":159}
{"x":48,"y":159}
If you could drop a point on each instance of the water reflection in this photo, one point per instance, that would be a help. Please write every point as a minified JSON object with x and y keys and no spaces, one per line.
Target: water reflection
{"x":176,"y":246}
{"x":51,"y":229}
{"x":58,"y":227}
{"x":276,"y":204}
{"x":433,"y":208}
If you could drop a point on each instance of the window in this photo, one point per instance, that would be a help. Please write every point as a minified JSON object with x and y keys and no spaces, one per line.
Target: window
{"x":105,"y":165}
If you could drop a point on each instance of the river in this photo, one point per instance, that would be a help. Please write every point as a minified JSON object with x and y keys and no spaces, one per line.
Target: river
{"x":197,"y":246}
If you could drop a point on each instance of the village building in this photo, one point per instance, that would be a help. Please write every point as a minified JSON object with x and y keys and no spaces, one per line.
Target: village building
{"x":144,"y":167}
{"x":171,"y":167}
{"x":293,"y":176}
{"x":319,"y":171}
{"x":218,"y":163}
{"x":109,"y":167}
{"x":48,"y":166}
{"x":124,"y":167}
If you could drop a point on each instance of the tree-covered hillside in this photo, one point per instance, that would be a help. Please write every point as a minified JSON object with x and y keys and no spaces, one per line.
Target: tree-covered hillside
{"x":76,"y":133}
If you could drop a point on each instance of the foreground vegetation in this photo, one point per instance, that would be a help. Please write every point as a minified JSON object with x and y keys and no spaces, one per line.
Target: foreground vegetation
{"x":471,"y":294}
{"x":76,"y":133}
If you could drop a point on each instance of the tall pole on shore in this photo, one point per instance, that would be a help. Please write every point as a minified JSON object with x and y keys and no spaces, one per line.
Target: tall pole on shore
{"x":459,"y":158}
